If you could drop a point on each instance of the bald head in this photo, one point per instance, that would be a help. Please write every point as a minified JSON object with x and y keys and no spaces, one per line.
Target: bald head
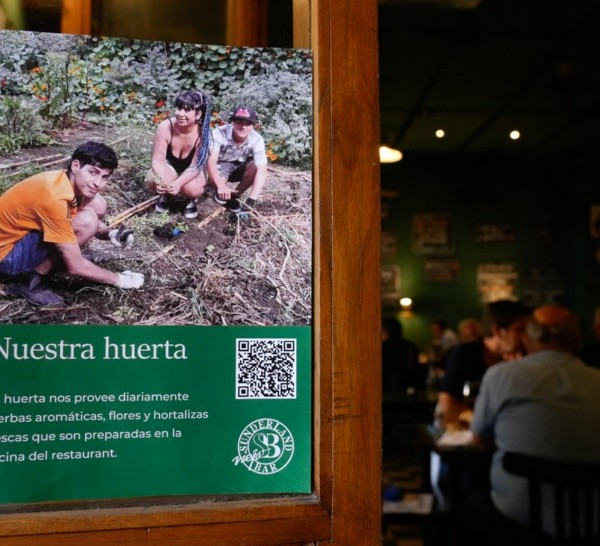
{"x":551,"y":315}
{"x":553,"y":327}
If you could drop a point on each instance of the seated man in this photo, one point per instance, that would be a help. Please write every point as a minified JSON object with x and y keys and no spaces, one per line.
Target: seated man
{"x":49,"y":216}
{"x":238,"y":155}
{"x":504,"y":324}
{"x":443,"y":340}
{"x":545,"y":404}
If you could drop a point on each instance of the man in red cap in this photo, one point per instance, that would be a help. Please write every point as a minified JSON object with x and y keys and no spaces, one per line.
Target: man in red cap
{"x":238,"y":155}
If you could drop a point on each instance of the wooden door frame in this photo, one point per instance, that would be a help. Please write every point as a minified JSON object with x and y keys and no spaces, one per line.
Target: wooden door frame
{"x":344,"y":508}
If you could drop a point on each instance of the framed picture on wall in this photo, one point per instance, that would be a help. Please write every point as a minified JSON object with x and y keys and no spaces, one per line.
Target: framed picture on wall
{"x":389,"y":245}
{"x":390,"y":285}
{"x":494,"y":233}
{"x":432,"y":234}
{"x":497,"y":281}
{"x":595,"y":221}
{"x":386,"y":202}
{"x":441,"y":270}
{"x":543,"y":285}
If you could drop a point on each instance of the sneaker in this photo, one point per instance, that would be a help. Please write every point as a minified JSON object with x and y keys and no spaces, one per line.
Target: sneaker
{"x":244,"y":213}
{"x":162,"y":205}
{"x":233,"y":205}
{"x":32,"y":290}
{"x":191,"y":209}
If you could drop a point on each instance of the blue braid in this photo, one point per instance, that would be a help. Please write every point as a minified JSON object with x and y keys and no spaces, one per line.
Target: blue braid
{"x":205,"y":133}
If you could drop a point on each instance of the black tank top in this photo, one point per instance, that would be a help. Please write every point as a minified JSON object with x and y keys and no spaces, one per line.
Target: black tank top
{"x":180,"y":164}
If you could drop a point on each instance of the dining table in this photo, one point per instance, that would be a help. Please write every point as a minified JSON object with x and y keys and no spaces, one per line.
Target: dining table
{"x":466,"y":465}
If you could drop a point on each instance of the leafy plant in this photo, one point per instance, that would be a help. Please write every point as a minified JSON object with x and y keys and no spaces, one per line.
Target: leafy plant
{"x":117,"y":81}
{"x":21,"y":125}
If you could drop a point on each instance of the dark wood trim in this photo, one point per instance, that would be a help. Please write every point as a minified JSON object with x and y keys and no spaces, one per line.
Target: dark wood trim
{"x":247,"y":23}
{"x":344,"y":36}
{"x":345,"y":506}
{"x":76,"y":17}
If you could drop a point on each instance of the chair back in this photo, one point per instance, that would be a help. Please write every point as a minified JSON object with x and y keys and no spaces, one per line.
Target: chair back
{"x":575,"y":492}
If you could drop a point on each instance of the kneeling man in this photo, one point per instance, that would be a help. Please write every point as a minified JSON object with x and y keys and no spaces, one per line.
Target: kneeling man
{"x":48,"y":217}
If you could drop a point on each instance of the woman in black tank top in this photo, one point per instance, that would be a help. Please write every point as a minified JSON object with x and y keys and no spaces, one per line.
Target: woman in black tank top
{"x":180,"y":164}
{"x":180,"y":151}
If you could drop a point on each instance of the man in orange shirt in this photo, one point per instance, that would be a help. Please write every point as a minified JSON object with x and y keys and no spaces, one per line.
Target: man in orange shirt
{"x":48,"y":218}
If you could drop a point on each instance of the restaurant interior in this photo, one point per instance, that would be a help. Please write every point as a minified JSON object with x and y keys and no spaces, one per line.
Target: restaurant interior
{"x":489,"y":117}
{"x":490,"y":109}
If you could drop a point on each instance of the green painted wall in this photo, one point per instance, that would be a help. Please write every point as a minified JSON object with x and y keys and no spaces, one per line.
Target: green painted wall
{"x":545,"y":202}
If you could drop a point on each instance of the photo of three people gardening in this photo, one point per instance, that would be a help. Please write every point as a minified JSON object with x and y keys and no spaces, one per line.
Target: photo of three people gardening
{"x":154,"y":183}
{"x":47,"y":218}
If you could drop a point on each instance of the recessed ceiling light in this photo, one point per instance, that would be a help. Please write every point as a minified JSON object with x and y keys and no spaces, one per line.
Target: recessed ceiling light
{"x":515,"y":135}
{"x":440,"y":133}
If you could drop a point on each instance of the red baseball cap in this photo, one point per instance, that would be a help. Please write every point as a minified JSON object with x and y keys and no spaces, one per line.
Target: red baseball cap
{"x":244,"y":113}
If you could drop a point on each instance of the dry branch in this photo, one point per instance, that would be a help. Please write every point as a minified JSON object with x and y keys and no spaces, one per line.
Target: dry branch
{"x":210,"y":217}
{"x":57,"y":161}
{"x":140,"y":207}
{"x":161,"y":253}
{"x":21,"y":163}
{"x":275,"y":170}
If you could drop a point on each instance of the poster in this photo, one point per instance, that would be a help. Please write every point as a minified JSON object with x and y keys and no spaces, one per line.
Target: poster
{"x":542,"y":286}
{"x":595,"y":221}
{"x":494,"y":233}
{"x":497,"y":281}
{"x":390,"y":285}
{"x":389,"y":245}
{"x":441,"y":270}
{"x":432,"y":234}
{"x":199,"y":382}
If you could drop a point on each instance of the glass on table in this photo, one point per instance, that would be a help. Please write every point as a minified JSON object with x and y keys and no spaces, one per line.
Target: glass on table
{"x":470,"y":392}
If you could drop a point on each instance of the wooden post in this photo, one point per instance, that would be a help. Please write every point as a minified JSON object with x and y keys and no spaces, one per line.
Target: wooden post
{"x":247,"y":23}
{"x":301,"y":23}
{"x":347,"y":224}
{"x":76,"y":17}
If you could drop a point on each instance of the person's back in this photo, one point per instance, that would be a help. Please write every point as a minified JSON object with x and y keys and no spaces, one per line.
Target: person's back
{"x":546,"y":404}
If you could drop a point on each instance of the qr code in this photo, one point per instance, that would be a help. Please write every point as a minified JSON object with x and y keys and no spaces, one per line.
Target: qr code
{"x":265,"y":368}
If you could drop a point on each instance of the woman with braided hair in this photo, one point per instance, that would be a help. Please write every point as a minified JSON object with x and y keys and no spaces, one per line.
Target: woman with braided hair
{"x":180,"y":152}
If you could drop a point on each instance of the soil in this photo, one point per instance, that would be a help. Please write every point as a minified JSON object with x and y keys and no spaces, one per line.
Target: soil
{"x":222,"y":270}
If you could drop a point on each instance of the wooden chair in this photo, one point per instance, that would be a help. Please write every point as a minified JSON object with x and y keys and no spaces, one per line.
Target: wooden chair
{"x":575,"y":490}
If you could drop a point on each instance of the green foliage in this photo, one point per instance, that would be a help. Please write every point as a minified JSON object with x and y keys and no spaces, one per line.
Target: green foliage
{"x":283,"y":101}
{"x":124,"y":81}
{"x":54,"y":87}
{"x":21,"y":125}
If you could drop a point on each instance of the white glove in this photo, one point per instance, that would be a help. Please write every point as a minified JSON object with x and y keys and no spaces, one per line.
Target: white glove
{"x":121,"y":237}
{"x":130,"y":279}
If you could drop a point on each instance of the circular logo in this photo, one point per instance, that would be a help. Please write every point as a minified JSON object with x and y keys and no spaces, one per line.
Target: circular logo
{"x":265,"y":446}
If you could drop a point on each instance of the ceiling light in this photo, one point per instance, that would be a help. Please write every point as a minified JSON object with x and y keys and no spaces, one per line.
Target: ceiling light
{"x":389,"y":155}
{"x":440,"y":133}
{"x":515,"y":135}
{"x":406,"y":302}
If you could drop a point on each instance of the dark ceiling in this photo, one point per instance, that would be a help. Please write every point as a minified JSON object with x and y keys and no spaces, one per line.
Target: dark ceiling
{"x":480,"y":68}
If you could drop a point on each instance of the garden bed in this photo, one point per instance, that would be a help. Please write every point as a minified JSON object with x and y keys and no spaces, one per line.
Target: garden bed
{"x":221,"y":271}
